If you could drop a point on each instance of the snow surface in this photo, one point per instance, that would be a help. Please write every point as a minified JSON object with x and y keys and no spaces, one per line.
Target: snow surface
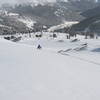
{"x":30,"y":74}
{"x":61,"y":26}
{"x":4,"y":26}
{"x":28,"y":22}
{"x":13,"y":14}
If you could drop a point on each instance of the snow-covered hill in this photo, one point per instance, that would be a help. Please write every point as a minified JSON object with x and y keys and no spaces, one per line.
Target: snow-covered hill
{"x":47,"y":13}
{"x":61,"y":26}
{"x":30,"y":74}
{"x":10,"y":23}
{"x":28,"y":22}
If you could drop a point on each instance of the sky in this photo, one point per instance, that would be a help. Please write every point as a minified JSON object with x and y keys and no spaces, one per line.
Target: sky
{"x":24,"y":1}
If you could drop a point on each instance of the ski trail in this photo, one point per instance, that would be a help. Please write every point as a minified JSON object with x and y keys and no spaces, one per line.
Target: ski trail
{"x":82,"y":59}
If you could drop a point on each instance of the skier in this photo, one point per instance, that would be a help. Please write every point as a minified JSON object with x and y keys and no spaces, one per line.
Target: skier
{"x":39,"y":47}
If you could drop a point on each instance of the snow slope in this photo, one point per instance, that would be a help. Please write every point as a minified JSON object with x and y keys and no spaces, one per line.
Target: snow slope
{"x":30,"y":74}
{"x":28,"y":22}
{"x":61,"y":26}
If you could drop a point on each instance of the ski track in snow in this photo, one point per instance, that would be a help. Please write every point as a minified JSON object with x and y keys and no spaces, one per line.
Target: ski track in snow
{"x":89,"y":61}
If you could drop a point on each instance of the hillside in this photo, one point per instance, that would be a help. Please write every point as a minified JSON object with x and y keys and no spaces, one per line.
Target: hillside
{"x":20,"y":18}
{"x":91,"y":12}
{"x":91,"y":24}
{"x":49,"y":50}
{"x":27,"y":73}
{"x":49,"y":14}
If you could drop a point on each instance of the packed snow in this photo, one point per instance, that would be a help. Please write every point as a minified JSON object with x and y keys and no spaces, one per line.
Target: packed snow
{"x":59,"y":71}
